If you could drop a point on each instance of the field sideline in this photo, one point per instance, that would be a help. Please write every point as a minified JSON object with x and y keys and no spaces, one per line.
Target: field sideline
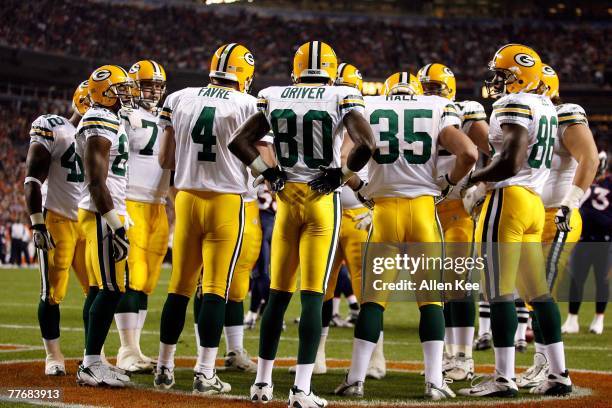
{"x":18,"y":326}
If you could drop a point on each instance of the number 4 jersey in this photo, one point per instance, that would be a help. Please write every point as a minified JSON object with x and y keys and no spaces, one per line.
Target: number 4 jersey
{"x":104,"y":123}
{"x":538,"y":115}
{"x":65,"y":179}
{"x":307,"y":124}
{"x":204,"y":120}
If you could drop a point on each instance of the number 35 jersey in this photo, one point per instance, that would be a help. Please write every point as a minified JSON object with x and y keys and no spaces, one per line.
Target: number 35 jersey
{"x":62,"y":189}
{"x":538,"y":115}
{"x":406,"y":130}
{"x":102,"y":122}
{"x":147,"y":181}
{"x":204,"y":120}
{"x":307,"y":124}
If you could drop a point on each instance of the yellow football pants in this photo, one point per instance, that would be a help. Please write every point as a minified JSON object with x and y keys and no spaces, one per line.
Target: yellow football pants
{"x":349,"y":251}
{"x":251,"y":246}
{"x":306,"y":235}
{"x":509,"y":233}
{"x":148,"y":244}
{"x":207,"y":234}
{"x":398,"y":220}
{"x":99,"y":261}
{"x":55,"y":264}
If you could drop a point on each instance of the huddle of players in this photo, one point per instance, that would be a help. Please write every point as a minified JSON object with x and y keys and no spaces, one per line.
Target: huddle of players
{"x":419,"y":149}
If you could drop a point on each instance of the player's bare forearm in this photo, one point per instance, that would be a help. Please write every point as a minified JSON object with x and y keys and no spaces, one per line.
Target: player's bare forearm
{"x":479,"y":135}
{"x":97,"y":150}
{"x":460,"y":145}
{"x":37,"y":166}
{"x":360,"y":132}
{"x":579,"y":141}
{"x":509,"y":161}
{"x":247,"y":135}
{"x":167,"y":149}
{"x":266,"y":150}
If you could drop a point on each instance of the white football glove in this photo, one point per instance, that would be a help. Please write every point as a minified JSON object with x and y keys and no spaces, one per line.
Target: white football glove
{"x":473,"y":197}
{"x":128,"y":222}
{"x":446,"y":187}
{"x":121,"y":244}
{"x":364,"y":221}
{"x":42,"y":237}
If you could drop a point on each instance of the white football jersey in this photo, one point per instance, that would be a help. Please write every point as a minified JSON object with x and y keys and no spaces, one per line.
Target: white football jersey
{"x":62,"y":189}
{"x":563,"y":166}
{"x":406,"y":130}
{"x":307,"y":124}
{"x":537,"y":114}
{"x":147,"y":181}
{"x":102,"y":122}
{"x":469,"y":112}
{"x":204,"y":120}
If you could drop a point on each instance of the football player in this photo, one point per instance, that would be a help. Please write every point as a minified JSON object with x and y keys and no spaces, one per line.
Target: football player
{"x":403,"y":185}
{"x":457,"y":222}
{"x":573,"y":167}
{"x":102,"y":212}
{"x":147,"y":189}
{"x":308,"y":120}
{"x":198,"y":124}
{"x":523,"y":126}
{"x":52,"y":159}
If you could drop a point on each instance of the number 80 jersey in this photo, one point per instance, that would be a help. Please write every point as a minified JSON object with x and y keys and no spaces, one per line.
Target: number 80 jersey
{"x":306,"y":121}
{"x":102,"y":122}
{"x":538,"y":115}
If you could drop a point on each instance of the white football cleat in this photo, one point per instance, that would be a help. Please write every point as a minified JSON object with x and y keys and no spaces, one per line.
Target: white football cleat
{"x":262,"y":393}
{"x":491,"y":386}
{"x":55,"y":366}
{"x":377,"y":369}
{"x":463,"y":368}
{"x":555,"y":384}
{"x":571,"y":325}
{"x":128,"y":359}
{"x":299,"y":399}
{"x":534,"y":375}
{"x":99,"y":375}
{"x":209,"y":386}
{"x":239,"y":360}
{"x":448,"y":362}
{"x":350,"y":390}
{"x":597,"y":325}
{"x":164,"y":378}
{"x":438,"y":393}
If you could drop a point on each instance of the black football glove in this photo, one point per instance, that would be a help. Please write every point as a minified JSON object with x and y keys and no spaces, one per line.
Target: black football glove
{"x":42,"y":237}
{"x":121,"y":244}
{"x":276,"y":177}
{"x":328,"y":181}
{"x":446,"y":187}
{"x":562,"y":219}
{"x":361,"y":197}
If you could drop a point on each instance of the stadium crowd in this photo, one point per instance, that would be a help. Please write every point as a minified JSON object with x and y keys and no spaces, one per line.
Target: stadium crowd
{"x":578,"y":51}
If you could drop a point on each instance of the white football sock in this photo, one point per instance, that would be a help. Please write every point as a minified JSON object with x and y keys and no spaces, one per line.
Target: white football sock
{"x":91,"y":359}
{"x":572,"y":319}
{"x":303,"y":375}
{"x":362,"y":352}
{"x":521,"y":331}
{"x":52,"y":347}
{"x":127,"y":324}
{"x":378,"y":353}
{"x":323,"y":340}
{"x":555,"y":354}
{"x":449,"y":341}
{"x":206,"y":361}
{"x":484,"y":325}
{"x":504,"y":361}
{"x":264,"y":371}
{"x":166,"y":355}
{"x":464,"y":337}
{"x":432,"y":359}
{"x":234,"y":338}
{"x":142,"y":316}
{"x":540,"y":348}
{"x":352,"y":299}
{"x":336,"y":306}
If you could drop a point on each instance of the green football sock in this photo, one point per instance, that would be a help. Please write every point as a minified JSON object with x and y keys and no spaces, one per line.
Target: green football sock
{"x":370,"y":322}
{"x":197,"y":306}
{"x":143,"y":301}
{"x":210,"y":321}
{"x":130,"y":302}
{"x":234,"y":313}
{"x":272,"y":323}
{"x":326,"y":312}
{"x":310,"y":326}
{"x":100,"y":319}
{"x":463,"y":313}
{"x":549,"y":320}
{"x":535,"y":326}
{"x":173,"y":318}
{"x":91,"y":296}
{"x":49,"y":320}
{"x":431,"y":323}
{"x":504,"y":322}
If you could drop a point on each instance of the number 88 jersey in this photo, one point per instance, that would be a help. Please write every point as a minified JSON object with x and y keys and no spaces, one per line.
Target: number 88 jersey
{"x":306,"y":120}
{"x":538,"y":115}
{"x":102,"y":122}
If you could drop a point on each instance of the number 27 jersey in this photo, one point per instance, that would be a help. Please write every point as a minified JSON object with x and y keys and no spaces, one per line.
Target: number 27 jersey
{"x":306,"y":121}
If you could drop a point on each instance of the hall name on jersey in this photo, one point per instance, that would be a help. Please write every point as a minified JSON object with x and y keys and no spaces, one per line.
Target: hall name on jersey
{"x":303,"y":93}
{"x":212,"y":92}
{"x":400,"y":98}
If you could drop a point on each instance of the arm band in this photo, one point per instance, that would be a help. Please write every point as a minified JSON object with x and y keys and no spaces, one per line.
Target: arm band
{"x":258,"y":166}
{"x":113,"y":220}
{"x":37,"y":218}
{"x":32,"y":180}
{"x":572,"y":197}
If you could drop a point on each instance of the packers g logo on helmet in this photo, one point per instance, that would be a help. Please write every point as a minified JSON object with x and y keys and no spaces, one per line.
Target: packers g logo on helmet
{"x":438,"y":79}
{"x":516,"y":68}
{"x":233,"y":62}
{"x":150,"y":80}
{"x":402,"y":83}
{"x":349,"y":75}
{"x":315,"y":59}
{"x":549,"y":85}
{"x":80,"y":99}
{"x":110,"y":84}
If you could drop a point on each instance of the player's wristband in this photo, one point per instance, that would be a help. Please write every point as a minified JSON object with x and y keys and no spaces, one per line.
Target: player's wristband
{"x":572,"y":197}
{"x":113,"y":220}
{"x":258,"y":166}
{"x":32,"y":180}
{"x":346,"y":173}
{"x":37,"y":218}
